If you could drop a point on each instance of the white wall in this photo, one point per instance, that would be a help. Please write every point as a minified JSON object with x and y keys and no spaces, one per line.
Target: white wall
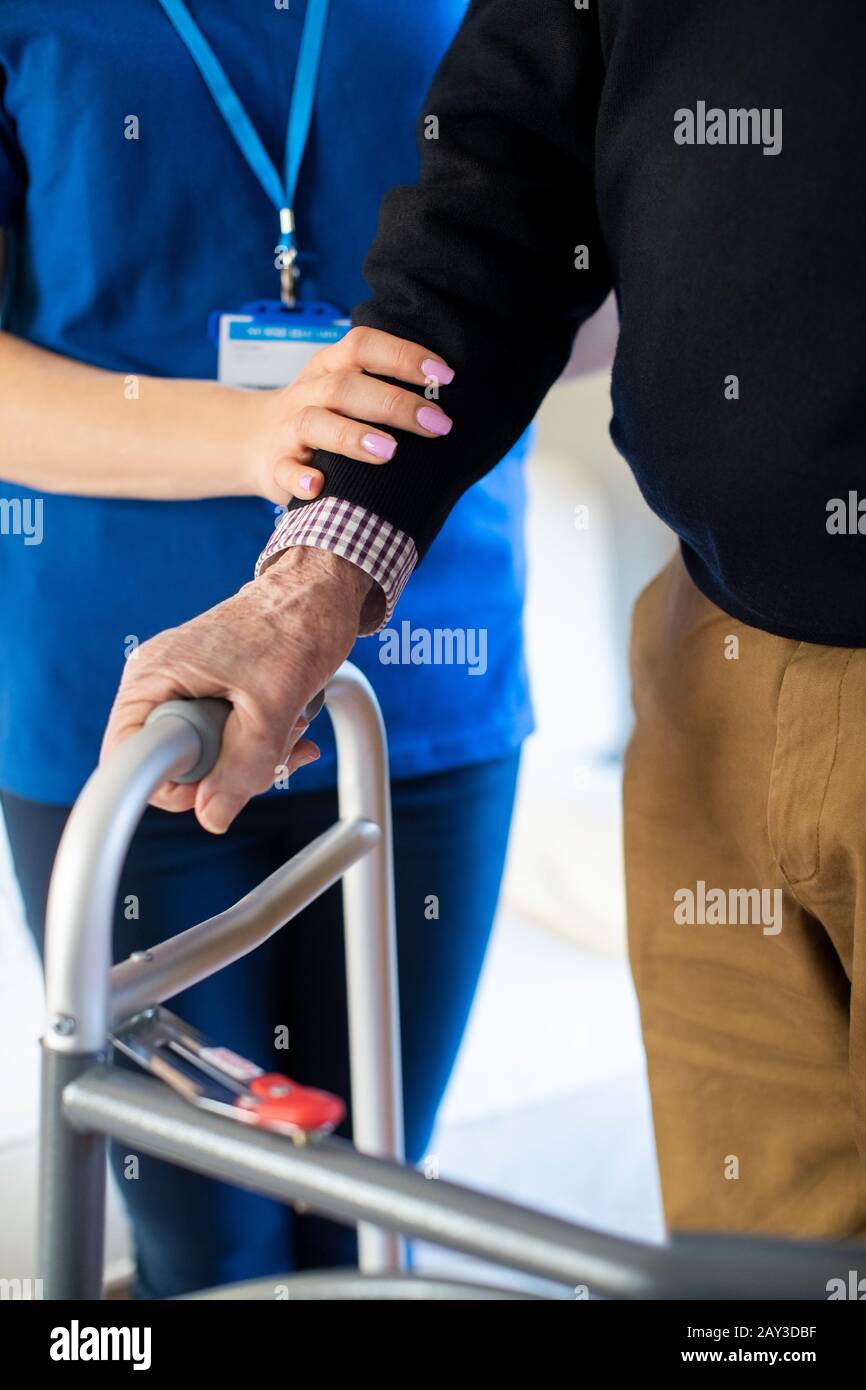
{"x":565,"y":866}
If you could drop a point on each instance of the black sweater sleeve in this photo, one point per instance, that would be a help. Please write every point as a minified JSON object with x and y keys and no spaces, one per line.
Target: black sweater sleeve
{"x":479,"y":260}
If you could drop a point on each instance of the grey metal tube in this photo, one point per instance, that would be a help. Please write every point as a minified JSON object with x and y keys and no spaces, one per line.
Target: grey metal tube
{"x":341,"y":1285}
{"x":330,"y":1177}
{"x":86,"y":875}
{"x":364,"y":793}
{"x":193,"y":955}
{"x":71,"y":1202}
{"x":179,"y":740}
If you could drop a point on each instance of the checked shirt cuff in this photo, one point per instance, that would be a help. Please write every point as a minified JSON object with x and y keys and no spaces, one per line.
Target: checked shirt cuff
{"x":375,"y":546}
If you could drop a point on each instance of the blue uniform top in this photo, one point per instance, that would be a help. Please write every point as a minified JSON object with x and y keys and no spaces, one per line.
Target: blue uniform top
{"x":120,"y":249}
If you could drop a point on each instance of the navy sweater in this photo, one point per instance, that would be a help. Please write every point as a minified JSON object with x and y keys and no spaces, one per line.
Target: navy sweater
{"x":707,"y":160}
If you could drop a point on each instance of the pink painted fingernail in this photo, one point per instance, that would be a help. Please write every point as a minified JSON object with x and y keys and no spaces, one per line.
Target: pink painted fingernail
{"x":444,"y":375}
{"x":379,"y":446}
{"x":436,"y":421}
{"x":306,"y":483}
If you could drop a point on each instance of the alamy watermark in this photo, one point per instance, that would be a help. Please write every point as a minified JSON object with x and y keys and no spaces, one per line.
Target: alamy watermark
{"x":732,"y":907}
{"x":438,"y":646}
{"x":20,"y":1290}
{"x":847,"y":516}
{"x":22,"y":516}
{"x":852,"y":1287}
{"x":713,"y":125}
{"x":83,"y":1343}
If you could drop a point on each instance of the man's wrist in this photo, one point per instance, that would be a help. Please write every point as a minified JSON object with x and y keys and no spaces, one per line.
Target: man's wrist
{"x":369,"y":542}
{"x":346,"y":583}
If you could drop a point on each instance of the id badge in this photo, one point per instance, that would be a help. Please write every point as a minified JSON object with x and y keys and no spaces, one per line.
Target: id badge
{"x":267,"y":345}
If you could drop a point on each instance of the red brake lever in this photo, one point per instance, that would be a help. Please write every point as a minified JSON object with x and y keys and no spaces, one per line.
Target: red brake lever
{"x":216,"y":1078}
{"x":277,"y":1101}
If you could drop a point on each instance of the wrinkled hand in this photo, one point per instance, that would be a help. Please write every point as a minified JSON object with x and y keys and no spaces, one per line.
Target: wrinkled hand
{"x":268,"y":650}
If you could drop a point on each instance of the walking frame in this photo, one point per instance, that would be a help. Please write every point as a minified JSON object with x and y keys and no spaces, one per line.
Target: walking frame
{"x":93,"y":1005}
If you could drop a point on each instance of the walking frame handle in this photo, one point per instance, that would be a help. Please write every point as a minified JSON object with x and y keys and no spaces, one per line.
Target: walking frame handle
{"x":208,"y":717}
{"x":180,"y":742}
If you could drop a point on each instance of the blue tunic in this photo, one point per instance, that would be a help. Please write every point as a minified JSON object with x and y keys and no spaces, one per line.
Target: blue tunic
{"x":120,"y":249}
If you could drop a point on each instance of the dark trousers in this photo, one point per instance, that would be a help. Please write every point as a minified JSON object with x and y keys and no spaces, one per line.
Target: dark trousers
{"x":450,"y":836}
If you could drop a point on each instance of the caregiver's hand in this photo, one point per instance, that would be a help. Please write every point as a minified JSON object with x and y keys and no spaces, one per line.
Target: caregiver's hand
{"x":268,"y":650}
{"x":335,"y":405}
{"x":113,"y":435}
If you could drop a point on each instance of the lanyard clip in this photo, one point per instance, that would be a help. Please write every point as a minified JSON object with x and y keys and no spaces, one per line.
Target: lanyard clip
{"x":287,"y":258}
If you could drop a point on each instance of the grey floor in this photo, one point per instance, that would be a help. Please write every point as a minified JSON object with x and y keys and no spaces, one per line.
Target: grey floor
{"x":549,"y":1104}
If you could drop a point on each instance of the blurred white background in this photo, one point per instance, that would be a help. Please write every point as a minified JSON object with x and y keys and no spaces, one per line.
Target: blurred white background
{"x":548,"y":1103}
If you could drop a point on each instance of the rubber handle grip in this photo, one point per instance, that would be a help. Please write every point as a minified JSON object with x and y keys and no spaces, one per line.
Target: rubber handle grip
{"x":208,"y":718}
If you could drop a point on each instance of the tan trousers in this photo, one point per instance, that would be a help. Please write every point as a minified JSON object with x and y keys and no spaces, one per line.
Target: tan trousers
{"x":745,"y":837}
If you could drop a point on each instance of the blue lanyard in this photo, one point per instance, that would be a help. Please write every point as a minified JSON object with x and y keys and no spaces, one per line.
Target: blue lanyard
{"x":280,"y":190}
